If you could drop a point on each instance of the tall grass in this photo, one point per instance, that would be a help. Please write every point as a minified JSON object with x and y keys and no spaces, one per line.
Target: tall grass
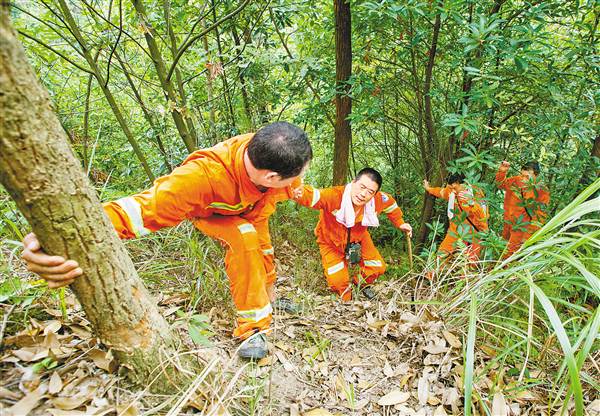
{"x":546,"y":292}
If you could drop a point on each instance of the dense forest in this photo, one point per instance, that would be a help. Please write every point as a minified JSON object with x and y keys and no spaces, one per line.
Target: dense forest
{"x":417,"y":90}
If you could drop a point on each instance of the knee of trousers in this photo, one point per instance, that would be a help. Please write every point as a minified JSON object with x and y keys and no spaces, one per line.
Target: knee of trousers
{"x":337,"y":276}
{"x":242,"y":239}
{"x":448,"y":245}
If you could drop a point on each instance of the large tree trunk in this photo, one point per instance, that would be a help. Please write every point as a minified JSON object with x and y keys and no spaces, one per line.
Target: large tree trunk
{"x":343,"y":102}
{"x":430,"y":143}
{"x":40,"y":172}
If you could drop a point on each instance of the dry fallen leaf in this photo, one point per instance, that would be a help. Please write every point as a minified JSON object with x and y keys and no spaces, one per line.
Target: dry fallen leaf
{"x":52,"y":326}
{"x":268,"y":360}
{"x":440,"y":411}
{"x":27,"y":403}
{"x":69,"y":403}
{"x":499,"y":406}
{"x":436,"y":349}
{"x":394,"y":397}
{"x":7,"y":394}
{"x":31,"y":353}
{"x":318,"y":412}
{"x":56,"y":384}
{"x":388,"y":370}
{"x":452,"y":339}
{"x":102,"y":359}
{"x":60,"y":412}
{"x":131,"y":410}
{"x":593,"y":408}
{"x":360,"y":404}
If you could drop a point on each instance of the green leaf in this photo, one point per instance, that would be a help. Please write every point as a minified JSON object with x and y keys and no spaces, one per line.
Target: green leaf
{"x":521,"y":63}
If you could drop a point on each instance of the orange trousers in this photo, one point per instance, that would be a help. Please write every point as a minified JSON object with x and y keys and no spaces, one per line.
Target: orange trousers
{"x":516,"y":237}
{"x":450,"y":243}
{"x":249,"y":264}
{"x":336,"y":271}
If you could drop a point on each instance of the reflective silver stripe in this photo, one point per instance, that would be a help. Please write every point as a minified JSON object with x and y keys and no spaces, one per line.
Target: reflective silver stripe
{"x":268,"y":251}
{"x":134,"y":211}
{"x":246,"y":228}
{"x":335,"y":268}
{"x":390,"y":208}
{"x":256,"y":315}
{"x":374,"y":263}
{"x":316,"y":197}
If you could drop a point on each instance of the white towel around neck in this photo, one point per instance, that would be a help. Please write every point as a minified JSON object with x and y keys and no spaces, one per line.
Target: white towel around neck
{"x":347,"y":216}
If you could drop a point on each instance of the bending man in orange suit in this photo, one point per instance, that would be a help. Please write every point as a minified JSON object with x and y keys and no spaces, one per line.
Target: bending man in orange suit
{"x":467,"y":213}
{"x":346,"y":212}
{"x":525,"y":201}
{"x":222,"y":190}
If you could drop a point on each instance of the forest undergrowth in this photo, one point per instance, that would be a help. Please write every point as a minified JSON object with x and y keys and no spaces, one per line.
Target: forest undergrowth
{"x":514,"y":338}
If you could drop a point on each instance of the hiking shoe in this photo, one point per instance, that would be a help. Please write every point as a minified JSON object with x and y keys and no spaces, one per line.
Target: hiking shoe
{"x":285,"y":305}
{"x":369,"y":292}
{"x":254,"y":348}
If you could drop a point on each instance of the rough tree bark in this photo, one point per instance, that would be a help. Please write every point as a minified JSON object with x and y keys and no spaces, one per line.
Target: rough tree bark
{"x":429,"y":200}
{"x":343,"y":102}
{"x":40,"y":172}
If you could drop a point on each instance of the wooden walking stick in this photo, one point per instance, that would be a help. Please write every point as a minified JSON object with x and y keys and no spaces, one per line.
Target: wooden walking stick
{"x":410,"y":256}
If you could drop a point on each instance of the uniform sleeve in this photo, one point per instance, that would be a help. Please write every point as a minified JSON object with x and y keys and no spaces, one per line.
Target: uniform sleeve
{"x":316,"y":198}
{"x":502,"y":182}
{"x":438,"y":192}
{"x":392,"y":210}
{"x":181,"y":195}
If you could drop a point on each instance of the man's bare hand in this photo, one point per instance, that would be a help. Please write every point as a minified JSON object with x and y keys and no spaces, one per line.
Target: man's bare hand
{"x":426,"y":184}
{"x":406,"y":228}
{"x":57,"y":271}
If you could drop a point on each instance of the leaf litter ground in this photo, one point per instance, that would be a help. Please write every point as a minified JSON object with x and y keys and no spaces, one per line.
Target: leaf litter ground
{"x":379,"y":357}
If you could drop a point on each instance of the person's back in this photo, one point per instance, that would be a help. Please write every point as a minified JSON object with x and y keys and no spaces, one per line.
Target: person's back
{"x":216,"y":188}
{"x":467,"y":214}
{"x":525,"y":203}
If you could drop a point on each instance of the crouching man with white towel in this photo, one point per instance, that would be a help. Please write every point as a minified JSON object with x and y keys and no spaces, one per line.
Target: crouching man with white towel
{"x":342,"y":231}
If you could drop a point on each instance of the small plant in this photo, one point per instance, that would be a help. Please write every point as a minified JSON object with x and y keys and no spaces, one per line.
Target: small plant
{"x":317,"y":340}
{"x":199,"y":329}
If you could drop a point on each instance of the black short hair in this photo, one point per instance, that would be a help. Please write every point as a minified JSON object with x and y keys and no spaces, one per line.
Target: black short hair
{"x":372,"y":174}
{"x":280,"y":147}
{"x":455,"y":178}
{"x":532,"y":165}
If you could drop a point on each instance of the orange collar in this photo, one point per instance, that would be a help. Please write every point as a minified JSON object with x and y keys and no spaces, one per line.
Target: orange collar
{"x":249,"y":192}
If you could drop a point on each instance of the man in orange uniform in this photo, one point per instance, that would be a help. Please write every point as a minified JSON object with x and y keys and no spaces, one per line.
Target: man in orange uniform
{"x":525,"y":202}
{"x":222,"y":191}
{"x":467,"y":213}
{"x":346,"y":212}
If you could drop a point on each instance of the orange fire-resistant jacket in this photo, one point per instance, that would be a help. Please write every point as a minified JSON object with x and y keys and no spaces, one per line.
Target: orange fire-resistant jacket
{"x":523,"y":201}
{"x":213,"y":189}
{"x":210,"y":181}
{"x":329,"y":230}
{"x":475,"y":207}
